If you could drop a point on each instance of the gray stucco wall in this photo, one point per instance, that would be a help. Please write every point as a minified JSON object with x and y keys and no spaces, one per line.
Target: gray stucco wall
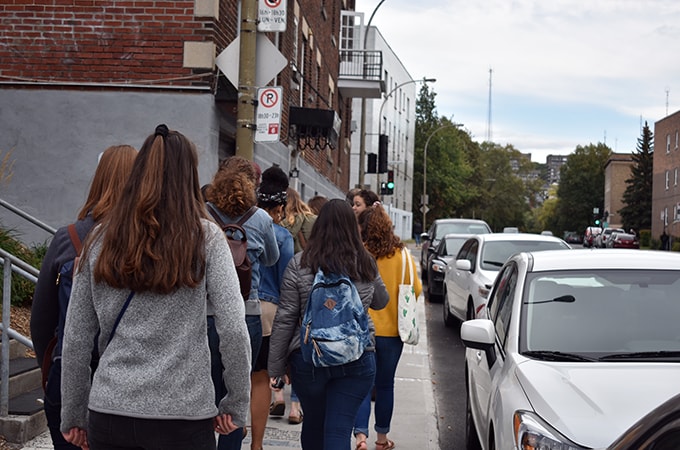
{"x":56,"y":136}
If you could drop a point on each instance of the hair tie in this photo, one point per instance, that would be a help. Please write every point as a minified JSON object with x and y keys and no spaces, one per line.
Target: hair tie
{"x":162,"y":130}
{"x":376,"y":203}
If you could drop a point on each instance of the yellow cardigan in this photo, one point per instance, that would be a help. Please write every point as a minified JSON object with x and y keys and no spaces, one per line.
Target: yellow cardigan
{"x":385,"y":319}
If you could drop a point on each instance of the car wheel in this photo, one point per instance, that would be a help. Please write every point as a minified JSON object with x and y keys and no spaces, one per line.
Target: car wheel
{"x":449,"y":319}
{"x":471,"y":438}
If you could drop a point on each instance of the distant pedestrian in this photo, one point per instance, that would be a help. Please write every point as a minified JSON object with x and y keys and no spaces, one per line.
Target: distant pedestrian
{"x":664,"y":241}
{"x":364,"y":199}
{"x":350,"y":195}
{"x":315,"y":203}
{"x":143,"y":284}
{"x":417,"y":231}
{"x":330,"y":396}
{"x":299,"y":219}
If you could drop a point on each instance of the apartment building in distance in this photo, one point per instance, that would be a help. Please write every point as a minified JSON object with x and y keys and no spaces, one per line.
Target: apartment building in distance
{"x":616,"y":171}
{"x":665,"y":191}
{"x":77,"y":77}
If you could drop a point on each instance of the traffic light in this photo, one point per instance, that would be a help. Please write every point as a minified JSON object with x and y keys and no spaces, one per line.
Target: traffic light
{"x":382,"y":153}
{"x":596,"y":218}
{"x":390,"y":182}
{"x":372,"y":163}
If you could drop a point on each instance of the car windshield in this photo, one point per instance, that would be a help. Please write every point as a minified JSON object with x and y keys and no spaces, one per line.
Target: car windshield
{"x":495,"y":253}
{"x":607,"y":315}
{"x":454,"y":244}
{"x":460,"y":228}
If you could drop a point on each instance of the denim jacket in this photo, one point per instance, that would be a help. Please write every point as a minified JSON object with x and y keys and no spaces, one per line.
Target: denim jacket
{"x":272,"y":276}
{"x":262,"y":250}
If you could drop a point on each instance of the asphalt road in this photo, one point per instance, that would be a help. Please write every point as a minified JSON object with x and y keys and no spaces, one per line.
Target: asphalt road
{"x":447,"y":359}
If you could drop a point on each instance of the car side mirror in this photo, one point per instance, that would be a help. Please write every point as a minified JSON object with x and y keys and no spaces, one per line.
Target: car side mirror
{"x":480,"y":334}
{"x":424,"y":236}
{"x":463,"y":264}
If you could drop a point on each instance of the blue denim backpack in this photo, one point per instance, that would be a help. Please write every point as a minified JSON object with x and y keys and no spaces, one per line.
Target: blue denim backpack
{"x":334,"y":329}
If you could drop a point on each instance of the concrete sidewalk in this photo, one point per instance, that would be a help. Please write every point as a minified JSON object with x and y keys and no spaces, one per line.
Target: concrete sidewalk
{"x":414,"y":424}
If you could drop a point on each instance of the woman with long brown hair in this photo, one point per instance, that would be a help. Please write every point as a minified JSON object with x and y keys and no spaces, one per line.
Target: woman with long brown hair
{"x":113,"y":170}
{"x":299,"y":219}
{"x":147,"y":276}
{"x":330,"y":396}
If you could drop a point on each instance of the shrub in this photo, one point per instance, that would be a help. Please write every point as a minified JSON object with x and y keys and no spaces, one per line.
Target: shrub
{"x":22,"y":289}
{"x":645,"y":238}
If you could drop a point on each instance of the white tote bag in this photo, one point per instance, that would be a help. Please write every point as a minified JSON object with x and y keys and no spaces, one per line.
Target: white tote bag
{"x":408,"y":320}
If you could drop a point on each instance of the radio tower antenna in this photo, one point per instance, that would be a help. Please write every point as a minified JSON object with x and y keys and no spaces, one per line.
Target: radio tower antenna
{"x":488,"y":118}
{"x":668,"y":90}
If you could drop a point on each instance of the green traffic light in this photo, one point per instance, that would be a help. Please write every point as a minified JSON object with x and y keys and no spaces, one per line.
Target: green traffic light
{"x":390,"y":185}
{"x":597,"y":222}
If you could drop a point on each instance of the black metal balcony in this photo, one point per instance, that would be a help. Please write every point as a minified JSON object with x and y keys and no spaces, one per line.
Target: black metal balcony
{"x":361,"y":74}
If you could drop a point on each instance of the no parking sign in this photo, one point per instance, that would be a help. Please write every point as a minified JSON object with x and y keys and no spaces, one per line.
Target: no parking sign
{"x":268,"y":114}
{"x":271,"y":15}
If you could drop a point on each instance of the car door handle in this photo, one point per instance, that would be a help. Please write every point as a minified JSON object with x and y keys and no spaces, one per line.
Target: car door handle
{"x":479,"y":356}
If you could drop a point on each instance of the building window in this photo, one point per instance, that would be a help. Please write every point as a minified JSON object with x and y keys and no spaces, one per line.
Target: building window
{"x":667,"y":179}
{"x":665,"y":216}
{"x":668,"y":143}
{"x":675,"y":181}
{"x":677,"y":137}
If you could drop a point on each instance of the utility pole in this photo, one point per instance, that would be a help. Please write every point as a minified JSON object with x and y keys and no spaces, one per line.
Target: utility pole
{"x":245,"y":115}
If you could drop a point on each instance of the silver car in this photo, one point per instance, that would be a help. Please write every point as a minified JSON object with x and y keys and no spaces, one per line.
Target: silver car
{"x":573,"y":348}
{"x":469,"y":277}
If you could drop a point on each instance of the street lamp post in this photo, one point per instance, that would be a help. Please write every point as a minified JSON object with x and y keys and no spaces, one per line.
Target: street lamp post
{"x":427,"y":142}
{"x":424,"y":80}
{"x":362,"y":144}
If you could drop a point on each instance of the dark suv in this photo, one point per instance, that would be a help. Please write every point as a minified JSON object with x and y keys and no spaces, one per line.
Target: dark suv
{"x":439,"y":229}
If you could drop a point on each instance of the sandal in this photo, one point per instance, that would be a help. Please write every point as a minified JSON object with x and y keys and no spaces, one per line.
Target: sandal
{"x":362,"y":445}
{"x":387,"y":445}
{"x":277,"y":408}
{"x":295,"y":420}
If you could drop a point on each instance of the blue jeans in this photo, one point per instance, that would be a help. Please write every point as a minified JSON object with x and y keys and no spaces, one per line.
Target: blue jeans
{"x":231,"y":441}
{"x":387,"y":354}
{"x":330,"y":398}
{"x":112,"y":432}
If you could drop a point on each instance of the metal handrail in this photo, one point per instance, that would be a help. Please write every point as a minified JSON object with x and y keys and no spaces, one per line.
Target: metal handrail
{"x":11,"y":264}
{"x":28,"y":217}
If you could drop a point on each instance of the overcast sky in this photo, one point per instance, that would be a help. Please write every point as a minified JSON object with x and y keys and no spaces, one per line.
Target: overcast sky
{"x":565,"y":72}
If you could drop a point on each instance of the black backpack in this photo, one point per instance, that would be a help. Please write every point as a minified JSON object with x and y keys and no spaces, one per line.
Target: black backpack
{"x":64,"y":282}
{"x":238,"y":244}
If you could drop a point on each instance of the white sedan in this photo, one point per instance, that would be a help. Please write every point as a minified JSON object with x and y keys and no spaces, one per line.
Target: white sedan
{"x":573,"y":349}
{"x":468,"y":278}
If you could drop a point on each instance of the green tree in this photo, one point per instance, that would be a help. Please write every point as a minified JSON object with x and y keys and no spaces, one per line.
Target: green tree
{"x":581,"y":186}
{"x":637,"y":198}
{"x":503,"y":200}
{"x":448,"y":167}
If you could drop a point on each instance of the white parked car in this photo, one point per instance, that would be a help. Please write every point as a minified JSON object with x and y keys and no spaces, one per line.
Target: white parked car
{"x":468,"y":279}
{"x":573,"y":348}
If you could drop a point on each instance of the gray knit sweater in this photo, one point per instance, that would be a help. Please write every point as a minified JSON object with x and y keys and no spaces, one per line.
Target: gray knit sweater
{"x":158,"y":364}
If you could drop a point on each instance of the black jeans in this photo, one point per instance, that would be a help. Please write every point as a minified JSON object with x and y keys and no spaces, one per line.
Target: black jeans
{"x":111,"y":432}
{"x":53,"y":408}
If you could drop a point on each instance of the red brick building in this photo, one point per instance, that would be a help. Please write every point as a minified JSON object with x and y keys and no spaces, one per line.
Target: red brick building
{"x":666,"y":192}
{"x":77,"y":76}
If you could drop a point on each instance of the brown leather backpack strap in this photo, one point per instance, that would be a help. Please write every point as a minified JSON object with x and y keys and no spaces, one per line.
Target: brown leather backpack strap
{"x":75,"y":239}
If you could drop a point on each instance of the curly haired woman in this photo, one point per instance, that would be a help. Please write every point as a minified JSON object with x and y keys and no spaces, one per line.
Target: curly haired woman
{"x":386,"y":247}
{"x":231,"y":195}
